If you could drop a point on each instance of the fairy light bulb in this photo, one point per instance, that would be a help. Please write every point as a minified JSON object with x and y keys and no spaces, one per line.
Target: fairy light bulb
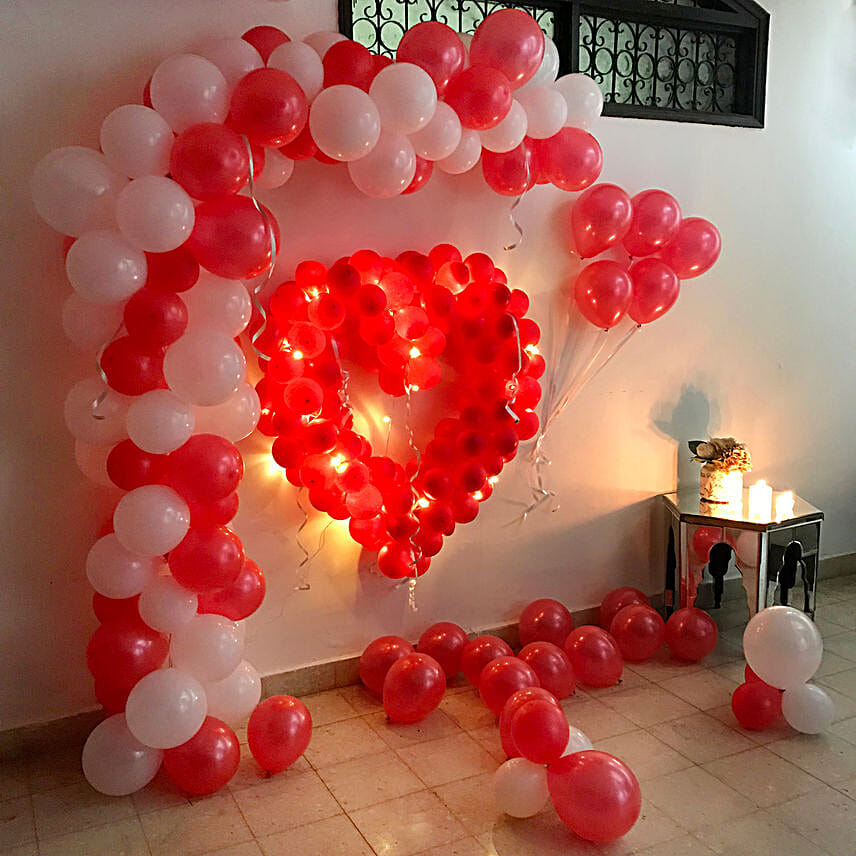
{"x":337,"y":461}
{"x":386,"y":420}
{"x":478,"y":495}
{"x":298,"y":355}
{"x":415,"y":352}
{"x":423,"y":503}
{"x":341,"y":468}
{"x":493,"y":480}
{"x":532,"y":350}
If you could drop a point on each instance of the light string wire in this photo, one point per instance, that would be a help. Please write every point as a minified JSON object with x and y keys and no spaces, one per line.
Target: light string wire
{"x":511,"y":213}
{"x":415,"y":549}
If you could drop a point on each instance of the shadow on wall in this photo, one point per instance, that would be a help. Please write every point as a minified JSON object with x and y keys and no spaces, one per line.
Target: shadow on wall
{"x":692,"y":417}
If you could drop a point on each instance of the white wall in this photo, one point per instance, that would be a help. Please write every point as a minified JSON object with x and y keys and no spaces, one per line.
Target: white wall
{"x":761,"y":348}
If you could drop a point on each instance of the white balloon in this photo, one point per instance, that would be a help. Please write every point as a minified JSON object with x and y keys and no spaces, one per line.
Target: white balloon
{"x":577,"y":742}
{"x":155,"y":213}
{"x":807,"y":708}
{"x":302,"y":62}
{"x":545,"y":108}
{"x":509,"y":133}
{"x":92,"y":462}
{"x":188,"y":89}
{"x":235,"y":418}
{"x":549,"y":68}
{"x":783,"y":646}
{"x":277,"y":169}
{"x":166,"y":708}
{"x":465,"y":156}
{"x":387,"y":169}
{"x":204,"y":367}
{"x":583,"y":98}
{"x":159,"y":421}
{"x":116,"y":572}
{"x":89,"y":325}
{"x":406,"y":97}
{"x":136,"y":141}
{"x":209,"y":646}
{"x":75,"y":190}
{"x":104,"y":267}
{"x":165,"y":605}
{"x":233,"y":56}
{"x":520,"y":787}
{"x":115,"y":762}
{"x":218,"y":304}
{"x":151,"y":520}
{"x":440,"y":137}
{"x":322,"y":40}
{"x":235,"y":697}
{"x":344,"y":122}
{"x":81,"y":410}
{"x":747,"y":549}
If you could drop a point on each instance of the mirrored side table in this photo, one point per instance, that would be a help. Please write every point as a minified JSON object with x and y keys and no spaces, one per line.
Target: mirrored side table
{"x":777,"y":558}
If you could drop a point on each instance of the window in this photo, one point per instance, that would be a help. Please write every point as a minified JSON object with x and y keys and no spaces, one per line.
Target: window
{"x":683,"y":60}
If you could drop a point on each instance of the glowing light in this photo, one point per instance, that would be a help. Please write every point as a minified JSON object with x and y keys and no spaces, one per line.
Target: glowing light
{"x":760,"y":500}
{"x":532,"y":350}
{"x":298,"y":355}
{"x":493,"y":480}
{"x":423,"y":503}
{"x":265,"y":411}
{"x":785,"y":505}
{"x":386,"y":420}
{"x":342,"y":467}
{"x":415,"y":352}
{"x":337,"y":461}
{"x":314,"y":292}
{"x":478,"y":495}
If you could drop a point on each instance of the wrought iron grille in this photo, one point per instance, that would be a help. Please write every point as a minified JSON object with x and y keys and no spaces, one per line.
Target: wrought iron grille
{"x":684,"y":60}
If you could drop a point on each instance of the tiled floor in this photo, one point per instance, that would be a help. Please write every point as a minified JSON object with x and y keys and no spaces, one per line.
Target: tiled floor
{"x":366,"y":787}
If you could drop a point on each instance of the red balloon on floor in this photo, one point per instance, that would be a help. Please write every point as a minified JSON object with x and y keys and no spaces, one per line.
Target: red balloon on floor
{"x":691,"y":634}
{"x":207,"y":761}
{"x":639,"y":631}
{"x":278,"y":732}
{"x":618,"y":599}
{"x":552,"y":665}
{"x":514,"y":703}
{"x":545,"y":620}
{"x":413,"y":687}
{"x":595,"y":656}
{"x":501,"y":677}
{"x":378,"y":657}
{"x":445,"y":642}
{"x":756,"y":705}
{"x":540,"y":731}
{"x":479,"y":652}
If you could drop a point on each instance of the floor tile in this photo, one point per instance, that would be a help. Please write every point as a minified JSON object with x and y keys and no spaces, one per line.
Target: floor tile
{"x":841,"y":613}
{"x":447,"y":759}
{"x":645,"y":754}
{"x":728,"y":648}
{"x":341,"y":741}
{"x":468,"y":710}
{"x":704,"y":689}
{"x":75,"y":807}
{"x":653,"y":828}
{"x":14,"y":780}
{"x":285,"y":801}
{"x":759,"y":834}
{"x":247,"y":848}
{"x":249,"y":773}
{"x":408,"y":825}
{"x":701,"y":738}
{"x":595,"y":719}
{"x":848,"y":788}
{"x":844,"y":682}
{"x":629,"y":680}
{"x":777,"y":731}
{"x":189,"y":830}
{"x":471,"y":801}
{"x":694,"y":798}
{"x":662,"y":666}
{"x":825,"y":756}
{"x":327,"y":707}
{"x":334,"y":836}
{"x":831,"y":664}
{"x":828,"y":628}
{"x":733,"y":671}
{"x":124,"y":838}
{"x":846,"y":729}
{"x":763,"y":776}
{"x":54,"y":770}
{"x":371,"y":779}
{"x":396,"y":735}
{"x":16,"y":822}
{"x":542,"y":835}
{"x":686,"y":845}
{"x":843,"y":644}
{"x":159,"y":793}
{"x":360,"y":699}
{"x":825,"y":817}
{"x":488,"y":739}
{"x":647,"y":705}
{"x":463,"y":847}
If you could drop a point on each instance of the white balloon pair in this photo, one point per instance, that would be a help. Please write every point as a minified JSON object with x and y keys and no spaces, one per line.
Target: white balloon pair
{"x":784,"y":648}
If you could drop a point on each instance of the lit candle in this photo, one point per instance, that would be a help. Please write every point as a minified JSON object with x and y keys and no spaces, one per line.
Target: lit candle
{"x":785,"y":505}
{"x":760,"y":500}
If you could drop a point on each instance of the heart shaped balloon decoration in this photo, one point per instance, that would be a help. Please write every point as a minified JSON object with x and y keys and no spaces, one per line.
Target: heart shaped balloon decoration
{"x":413,"y":321}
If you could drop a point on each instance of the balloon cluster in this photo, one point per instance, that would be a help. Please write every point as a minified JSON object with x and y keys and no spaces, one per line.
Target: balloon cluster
{"x":783,"y":650}
{"x":398,"y":318}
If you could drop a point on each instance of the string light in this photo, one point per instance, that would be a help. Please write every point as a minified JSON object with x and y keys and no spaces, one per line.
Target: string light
{"x":532,"y":350}
{"x":493,"y":480}
{"x":298,"y":355}
{"x":478,"y":495}
{"x":423,"y":503}
{"x":386,"y":420}
{"x":337,"y":461}
{"x":414,"y":353}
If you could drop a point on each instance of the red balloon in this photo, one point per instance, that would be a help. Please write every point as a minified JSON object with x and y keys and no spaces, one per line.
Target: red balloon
{"x":424,"y":168}
{"x":124,"y":650}
{"x":655,"y":221}
{"x":612,"y":798}
{"x":515,"y":701}
{"x":748,"y":674}
{"x":510,"y":173}
{"x":114,"y":609}
{"x":206,"y":468}
{"x":155,"y":318}
{"x":595,"y":656}
{"x":445,"y":642}
{"x":756,"y":705}
{"x":269,"y":107}
{"x":480,"y":95}
{"x":378,"y":657}
{"x":264,"y":39}
{"x":540,"y":731}
{"x":413,"y":687}
{"x":278,"y":732}
{"x":552,"y":665}
{"x":131,"y":367}
{"x":479,"y":652}
{"x":603,"y":291}
{"x":231,"y":239}
{"x":176,"y":270}
{"x":694,"y":249}
{"x":511,"y":41}
{"x":207,"y":761}
{"x":349,"y":62}
{"x":617,"y":599}
{"x":209,"y":160}
{"x":600,"y":218}
{"x":129,"y":467}
{"x":207,"y":559}
{"x":655,"y":289}
{"x":217,"y":513}
{"x":572,"y":159}
{"x":639,"y":631}
{"x":545,"y":620}
{"x":704,"y":538}
{"x":434,"y":47}
{"x":240,"y":599}
{"x":501,"y":678}
{"x":112,"y":697}
{"x":691,"y":634}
